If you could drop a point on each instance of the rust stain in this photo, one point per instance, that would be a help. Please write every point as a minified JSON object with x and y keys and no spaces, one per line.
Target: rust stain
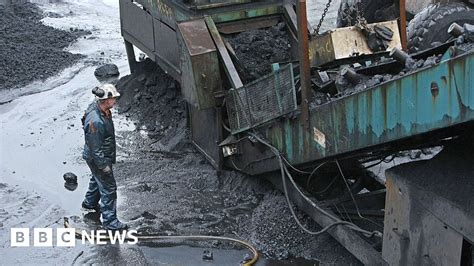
{"x":434,"y":90}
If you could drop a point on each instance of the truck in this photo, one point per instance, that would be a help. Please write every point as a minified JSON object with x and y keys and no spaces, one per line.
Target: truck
{"x":266,"y":92}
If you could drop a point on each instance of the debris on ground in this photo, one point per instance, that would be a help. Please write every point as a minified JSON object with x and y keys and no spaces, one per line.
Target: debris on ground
{"x":171,"y":189}
{"x":30,"y":49}
{"x":207,"y":255}
{"x":106,"y":71}
{"x":70,"y":178}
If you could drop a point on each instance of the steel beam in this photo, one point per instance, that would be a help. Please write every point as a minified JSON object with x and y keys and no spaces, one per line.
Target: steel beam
{"x":132,"y":62}
{"x":229,"y":66}
{"x":403,"y":25}
{"x":303,"y":48}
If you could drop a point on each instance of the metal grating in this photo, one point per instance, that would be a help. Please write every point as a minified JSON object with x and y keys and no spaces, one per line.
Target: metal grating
{"x":262,"y":100}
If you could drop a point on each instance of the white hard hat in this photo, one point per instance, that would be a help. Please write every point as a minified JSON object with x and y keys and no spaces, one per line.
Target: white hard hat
{"x":105,"y":91}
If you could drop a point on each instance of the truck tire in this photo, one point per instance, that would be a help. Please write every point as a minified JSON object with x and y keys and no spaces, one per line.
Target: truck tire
{"x":370,"y":8}
{"x":432,"y":23}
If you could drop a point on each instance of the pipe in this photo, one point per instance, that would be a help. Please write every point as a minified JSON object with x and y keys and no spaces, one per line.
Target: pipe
{"x":403,"y":25}
{"x":401,"y":57}
{"x":78,"y":234}
{"x":303,"y":54}
{"x":352,"y":76}
{"x":455,"y":30}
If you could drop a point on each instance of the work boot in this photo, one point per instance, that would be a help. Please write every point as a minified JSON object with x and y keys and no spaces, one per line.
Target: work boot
{"x":116,"y":226}
{"x":87,"y":208}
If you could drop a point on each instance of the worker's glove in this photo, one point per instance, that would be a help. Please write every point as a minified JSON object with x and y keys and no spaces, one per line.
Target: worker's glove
{"x":107,"y":170}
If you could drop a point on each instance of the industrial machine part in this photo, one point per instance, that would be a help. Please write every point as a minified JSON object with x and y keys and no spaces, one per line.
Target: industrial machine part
{"x":199,"y":64}
{"x":429,"y":218}
{"x":429,"y":19}
{"x":279,"y":122}
{"x":431,"y":25}
{"x":267,"y":98}
{"x":344,"y":43}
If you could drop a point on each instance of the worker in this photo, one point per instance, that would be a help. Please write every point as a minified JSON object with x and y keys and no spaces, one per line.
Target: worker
{"x":99,"y":153}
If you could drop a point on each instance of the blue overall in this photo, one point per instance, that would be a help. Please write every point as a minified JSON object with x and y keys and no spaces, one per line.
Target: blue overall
{"x":100,"y":152}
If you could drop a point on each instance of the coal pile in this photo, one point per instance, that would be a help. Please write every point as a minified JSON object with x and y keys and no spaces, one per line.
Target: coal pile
{"x":257,"y":49}
{"x":152,"y":98}
{"x":175,"y":191}
{"x":29,"y":49}
{"x":342,"y":85}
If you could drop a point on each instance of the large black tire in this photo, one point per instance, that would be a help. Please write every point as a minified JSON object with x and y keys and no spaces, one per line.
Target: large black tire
{"x":369,"y":9}
{"x":432,"y":23}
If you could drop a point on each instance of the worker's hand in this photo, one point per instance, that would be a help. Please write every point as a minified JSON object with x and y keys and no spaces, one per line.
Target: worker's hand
{"x":107,"y":170}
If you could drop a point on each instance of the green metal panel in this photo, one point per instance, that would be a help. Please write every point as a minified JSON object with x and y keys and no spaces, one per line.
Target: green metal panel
{"x":247,"y":13}
{"x":430,"y":99}
{"x":200,"y":76}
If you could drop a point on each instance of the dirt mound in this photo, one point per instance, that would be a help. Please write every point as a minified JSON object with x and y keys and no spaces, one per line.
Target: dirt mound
{"x":29,"y":49}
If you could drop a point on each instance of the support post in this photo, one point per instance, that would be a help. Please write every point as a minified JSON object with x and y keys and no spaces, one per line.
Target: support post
{"x":403,"y":25}
{"x":303,"y":48}
{"x":132,"y":62}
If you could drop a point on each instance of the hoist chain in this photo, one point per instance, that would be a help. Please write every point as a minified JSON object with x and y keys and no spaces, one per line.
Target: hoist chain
{"x":328,"y":5}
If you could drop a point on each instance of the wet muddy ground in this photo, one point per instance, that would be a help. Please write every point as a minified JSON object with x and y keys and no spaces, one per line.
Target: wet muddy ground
{"x":170,"y":187}
{"x":165,"y":185}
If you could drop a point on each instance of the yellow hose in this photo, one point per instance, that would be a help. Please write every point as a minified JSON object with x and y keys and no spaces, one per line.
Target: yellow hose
{"x":190,"y":237}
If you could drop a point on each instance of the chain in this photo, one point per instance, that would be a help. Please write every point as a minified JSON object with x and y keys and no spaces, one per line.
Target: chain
{"x":328,"y":5}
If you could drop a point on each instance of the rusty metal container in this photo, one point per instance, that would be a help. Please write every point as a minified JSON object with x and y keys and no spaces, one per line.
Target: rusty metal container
{"x":199,"y":60}
{"x":344,"y":43}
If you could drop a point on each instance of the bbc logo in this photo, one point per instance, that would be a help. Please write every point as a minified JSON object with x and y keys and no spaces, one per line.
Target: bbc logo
{"x":42,"y":237}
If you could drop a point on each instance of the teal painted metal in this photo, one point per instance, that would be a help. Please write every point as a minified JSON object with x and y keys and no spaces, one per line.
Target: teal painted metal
{"x":438,"y":97}
{"x":262,"y":100}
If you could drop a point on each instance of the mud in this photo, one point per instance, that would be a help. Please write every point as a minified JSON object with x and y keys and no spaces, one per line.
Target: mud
{"x":31,"y":50}
{"x":257,"y":49}
{"x":170,"y":188}
{"x":164,"y":184}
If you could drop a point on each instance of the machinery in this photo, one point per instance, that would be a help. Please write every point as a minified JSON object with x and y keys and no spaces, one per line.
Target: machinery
{"x":328,"y":106}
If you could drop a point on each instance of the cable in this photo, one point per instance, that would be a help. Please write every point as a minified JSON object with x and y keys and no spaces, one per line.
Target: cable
{"x":322,"y":231}
{"x":226,"y":127}
{"x":348,"y":189}
{"x":233,"y":164}
{"x":189,"y":237}
{"x":352,"y":195}
{"x":312,"y":173}
{"x":284,"y":170}
{"x":384,"y":160}
{"x":294,"y":168}
{"x":328,"y":186}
